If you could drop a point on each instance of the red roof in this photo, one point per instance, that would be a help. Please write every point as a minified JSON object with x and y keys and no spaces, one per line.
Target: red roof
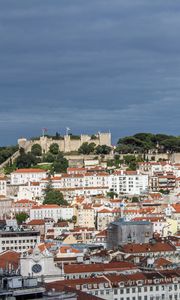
{"x":176,"y":207}
{"x":144,"y":248}
{"x":92,"y":268}
{"x":25,"y":201}
{"x":104,"y":211}
{"x":68,"y":249}
{"x":45,"y":206}
{"x":9,"y":259}
{"x":36,"y":222}
{"x":102,"y":233}
{"x":29,"y":171}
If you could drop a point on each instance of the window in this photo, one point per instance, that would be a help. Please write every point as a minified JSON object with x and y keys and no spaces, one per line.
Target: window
{"x":115,"y":291}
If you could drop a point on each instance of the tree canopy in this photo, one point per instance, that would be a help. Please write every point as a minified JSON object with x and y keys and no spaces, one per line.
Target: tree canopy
{"x":90,"y":148}
{"x":36,"y":150}
{"x":26,"y":160}
{"x":104,"y":149}
{"x":21,"y":217}
{"x":87,"y":148}
{"x":142,"y":142}
{"x":53,"y":196}
{"x":54,"y":148}
{"x":6,"y":152}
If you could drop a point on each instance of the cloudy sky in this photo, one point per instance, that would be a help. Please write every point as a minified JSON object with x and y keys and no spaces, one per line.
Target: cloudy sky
{"x":93,"y":66}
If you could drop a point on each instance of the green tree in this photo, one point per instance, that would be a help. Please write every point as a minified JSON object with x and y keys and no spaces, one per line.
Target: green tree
{"x":54,"y":148}
{"x":21,"y":217}
{"x":53,"y":196}
{"x":103,"y":149}
{"x":74,"y":219}
{"x":26,"y":160}
{"x":60,"y":165}
{"x":135,"y":199}
{"x":129,"y":159}
{"x":36,"y":150}
{"x":6,"y":152}
{"x":86,"y":148}
{"x":112,"y":195}
{"x":49,"y":157}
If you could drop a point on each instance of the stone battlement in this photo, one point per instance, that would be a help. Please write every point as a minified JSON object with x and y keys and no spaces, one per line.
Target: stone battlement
{"x":67,"y":143}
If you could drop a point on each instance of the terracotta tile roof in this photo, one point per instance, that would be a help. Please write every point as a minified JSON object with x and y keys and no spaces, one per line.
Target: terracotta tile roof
{"x":68,"y":249}
{"x":29,"y":171}
{"x":75,"y":282}
{"x":45,"y":206}
{"x":44,"y":246}
{"x":36,"y":222}
{"x":61,"y":224}
{"x":176,"y":208}
{"x":3,"y":178}
{"x":104,"y":211}
{"x":35,"y":183}
{"x":76,"y":169}
{"x":102,"y":233}
{"x":9,"y":259}
{"x":130,"y":172}
{"x":25,"y":201}
{"x":93,"y":268}
{"x":162,"y":262}
{"x":144,"y":248}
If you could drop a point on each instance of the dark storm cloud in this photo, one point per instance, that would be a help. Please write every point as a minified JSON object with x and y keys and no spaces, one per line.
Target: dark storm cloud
{"x":90,"y":65}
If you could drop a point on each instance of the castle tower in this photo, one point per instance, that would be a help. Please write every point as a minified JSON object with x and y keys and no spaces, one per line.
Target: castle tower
{"x":105,"y":139}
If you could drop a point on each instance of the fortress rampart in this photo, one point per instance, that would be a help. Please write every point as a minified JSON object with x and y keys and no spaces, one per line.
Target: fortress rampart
{"x":67,"y":143}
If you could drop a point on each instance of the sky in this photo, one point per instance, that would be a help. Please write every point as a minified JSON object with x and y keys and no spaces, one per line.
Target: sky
{"x":91,"y":66}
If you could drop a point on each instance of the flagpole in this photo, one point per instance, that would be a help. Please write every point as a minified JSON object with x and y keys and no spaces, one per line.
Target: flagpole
{"x":67,"y":130}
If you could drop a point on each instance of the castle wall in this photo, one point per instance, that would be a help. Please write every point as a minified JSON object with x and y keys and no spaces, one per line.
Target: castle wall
{"x":66,"y":144}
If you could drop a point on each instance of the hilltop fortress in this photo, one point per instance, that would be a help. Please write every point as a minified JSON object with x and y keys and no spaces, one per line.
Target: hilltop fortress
{"x":67,"y":143}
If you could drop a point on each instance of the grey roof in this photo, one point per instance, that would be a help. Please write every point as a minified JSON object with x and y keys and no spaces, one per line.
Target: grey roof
{"x":122,"y":222}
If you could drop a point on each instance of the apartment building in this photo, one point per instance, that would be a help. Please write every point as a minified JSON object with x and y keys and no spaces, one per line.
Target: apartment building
{"x":85,"y":216}
{"x":128,"y":182}
{"x":32,"y":190}
{"x":157,"y":285}
{"x":23,"y":176}
{"x":18,"y":240}
{"x":52,"y":211}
